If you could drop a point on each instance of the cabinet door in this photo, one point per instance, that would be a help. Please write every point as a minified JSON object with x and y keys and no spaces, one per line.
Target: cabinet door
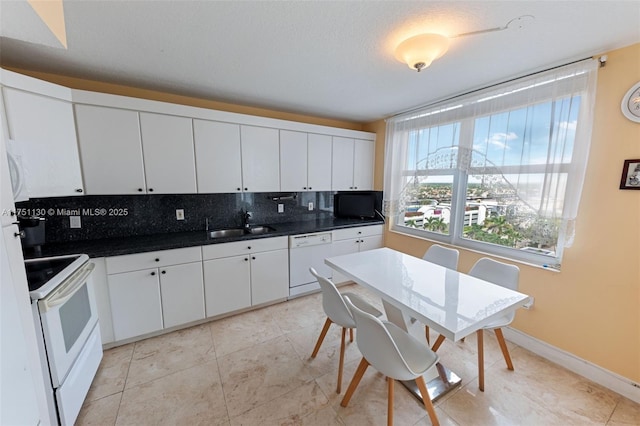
{"x":169,"y":163}
{"x":342,"y":164}
{"x":46,"y":128}
{"x":338,"y":248}
{"x":269,"y":276}
{"x":293,"y":161}
{"x":363,"y":156}
{"x":218,"y":156}
{"x":110,"y":150}
{"x":227,"y":284}
{"x":370,"y":243}
{"x":135,"y":303}
{"x":182,"y":293}
{"x":319,"y":162}
{"x":260,"y":159}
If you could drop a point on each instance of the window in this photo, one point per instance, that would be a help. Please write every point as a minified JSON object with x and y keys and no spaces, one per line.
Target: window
{"x":499,"y":170}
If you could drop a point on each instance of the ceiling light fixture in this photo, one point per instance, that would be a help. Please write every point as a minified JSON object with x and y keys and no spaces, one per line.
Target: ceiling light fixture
{"x":419,"y":51}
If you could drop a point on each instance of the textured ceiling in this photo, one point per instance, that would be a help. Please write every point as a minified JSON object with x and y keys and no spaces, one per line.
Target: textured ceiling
{"x":330,"y":59}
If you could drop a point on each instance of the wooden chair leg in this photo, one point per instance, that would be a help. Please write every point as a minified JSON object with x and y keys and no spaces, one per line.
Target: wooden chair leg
{"x":341,"y":364}
{"x":503,"y":347}
{"x":390,"y":402}
{"x":438,"y":342}
{"x":428,"y":405}
{"x":426,"y":333}
{"x":480,"y":360}
{"x":362,"y":367}
{"x":351,"y":335}
{"x":323,"y":333}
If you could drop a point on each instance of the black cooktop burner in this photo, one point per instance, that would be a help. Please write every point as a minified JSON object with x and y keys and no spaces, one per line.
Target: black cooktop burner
{"x":41,"y":271}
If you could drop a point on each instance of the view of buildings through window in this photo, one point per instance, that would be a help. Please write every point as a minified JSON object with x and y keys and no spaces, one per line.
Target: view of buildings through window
{"x":504,"y":165}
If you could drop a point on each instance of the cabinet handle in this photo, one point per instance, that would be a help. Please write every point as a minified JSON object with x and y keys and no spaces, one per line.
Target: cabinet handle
{"x":249,"y":247}
{"x":157,"y":259}
{"x":246,"y":259}
{"x":239,"y":189}
{"x":246,"y":189}
{"x":139,"y":189}
{"x":359,"y":232}
{"x":304,"y":187}
{"x":153,"y":273}
{"x":253,"y":257}
{"x":150,"y":189}
{"x":310,"y":188}
{"x":355,"y":187}
{"x":19,"y":234}
{"x":79,"y":190}
{"x":164,"y":272}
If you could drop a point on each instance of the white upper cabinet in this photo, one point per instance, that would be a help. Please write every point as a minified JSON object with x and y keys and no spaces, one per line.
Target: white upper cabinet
{"x":319,"y":162}
{"x":363,"y":156}
{"x":111,"y":150}
{"x":293,"y":161}
{"x":218,"y":156}
{"x":260,"y":159}
{"x":305,"y":161}
{"x":169,"y":163}
{"x":352,"y":167}
{"x":44,"y":128}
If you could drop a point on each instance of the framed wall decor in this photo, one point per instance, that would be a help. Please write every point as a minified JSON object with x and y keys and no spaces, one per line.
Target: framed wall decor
{"x":630,"y":175}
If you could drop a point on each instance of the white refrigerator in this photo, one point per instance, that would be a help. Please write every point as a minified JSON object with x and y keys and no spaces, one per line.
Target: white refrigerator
{"x":22,"y":389}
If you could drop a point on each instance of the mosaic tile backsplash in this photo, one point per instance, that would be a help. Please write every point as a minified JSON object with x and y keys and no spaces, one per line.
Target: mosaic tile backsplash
{"x":132,"y":215}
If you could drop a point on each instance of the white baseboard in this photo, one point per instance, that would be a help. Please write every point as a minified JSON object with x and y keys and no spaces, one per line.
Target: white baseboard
{"x":617,"y":383}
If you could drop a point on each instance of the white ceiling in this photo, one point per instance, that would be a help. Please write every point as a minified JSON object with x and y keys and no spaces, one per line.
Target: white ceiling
{"x":326,"y":58}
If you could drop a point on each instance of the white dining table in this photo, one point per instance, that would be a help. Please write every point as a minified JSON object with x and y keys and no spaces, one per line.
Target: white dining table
{"x":415,"y":291}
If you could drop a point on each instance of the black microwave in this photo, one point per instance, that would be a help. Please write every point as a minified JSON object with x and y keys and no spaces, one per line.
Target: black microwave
{"x":361,"y":205}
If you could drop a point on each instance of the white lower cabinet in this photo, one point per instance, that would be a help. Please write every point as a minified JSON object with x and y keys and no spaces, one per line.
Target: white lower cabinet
{"x":181,"y":292}
{"x":353,"y":240}
{"x":227,"y":284}
{"x":245,"y":273}
{"x":146,"y":299}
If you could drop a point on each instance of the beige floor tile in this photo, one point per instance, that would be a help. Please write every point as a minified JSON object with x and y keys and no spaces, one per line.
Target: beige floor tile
{"x":306,"y":405}
{"x":299,"y":313}
{"x":327,"y":359}
{"x":243,"y":331}
{"x":537,"y":392}
{"x":100,"y":412}
{"x":189,"y":397}
{"x":626,"y":412}
{"x":112,"y":374}
{"x":159,"y":356}
{"x":254,"y":376}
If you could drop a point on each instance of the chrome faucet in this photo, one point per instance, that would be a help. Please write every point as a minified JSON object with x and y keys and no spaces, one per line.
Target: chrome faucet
{"x":245,"y":218}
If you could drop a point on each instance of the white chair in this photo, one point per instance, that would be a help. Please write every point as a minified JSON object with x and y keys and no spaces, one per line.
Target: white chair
{"x":394,"y":353}
{"x":442,"y":256}
{"x":338,"y":312}
{"x":504,"y":275}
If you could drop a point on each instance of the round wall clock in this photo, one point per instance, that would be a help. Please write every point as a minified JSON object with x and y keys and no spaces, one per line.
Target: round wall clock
{"x":631,"y":103}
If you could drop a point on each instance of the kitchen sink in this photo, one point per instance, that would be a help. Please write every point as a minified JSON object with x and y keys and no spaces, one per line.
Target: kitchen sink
{"x":221,"y":233}
{"x":260,"y":230}
{"x":239,"y":232}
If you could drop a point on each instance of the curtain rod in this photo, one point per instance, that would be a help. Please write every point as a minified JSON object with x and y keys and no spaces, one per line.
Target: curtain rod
{"x":484,"y":88}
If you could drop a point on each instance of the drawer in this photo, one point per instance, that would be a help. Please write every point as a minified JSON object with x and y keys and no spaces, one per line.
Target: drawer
{"x":152,"y":259}
{"x":360,"y":231}
{"x":216,"y":251}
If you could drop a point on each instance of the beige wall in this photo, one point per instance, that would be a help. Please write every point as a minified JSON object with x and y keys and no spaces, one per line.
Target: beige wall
{"x":592,"y":307}
{"x":116,"y":89}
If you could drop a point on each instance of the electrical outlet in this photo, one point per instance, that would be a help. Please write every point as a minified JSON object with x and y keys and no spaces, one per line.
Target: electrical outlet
{"x":280,"y":208}
{"x":74,"y":222}
{"x":310,"y":205}
{"x":179,"y":214}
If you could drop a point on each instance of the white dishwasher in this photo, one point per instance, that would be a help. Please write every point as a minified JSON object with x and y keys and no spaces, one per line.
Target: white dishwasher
{"x":307,"y":250}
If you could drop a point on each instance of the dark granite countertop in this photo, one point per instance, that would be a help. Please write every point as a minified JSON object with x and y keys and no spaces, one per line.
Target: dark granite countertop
{"x":145,"y":243}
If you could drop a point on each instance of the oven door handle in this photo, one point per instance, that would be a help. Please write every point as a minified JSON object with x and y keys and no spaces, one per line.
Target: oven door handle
{"x":68,"y":289}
